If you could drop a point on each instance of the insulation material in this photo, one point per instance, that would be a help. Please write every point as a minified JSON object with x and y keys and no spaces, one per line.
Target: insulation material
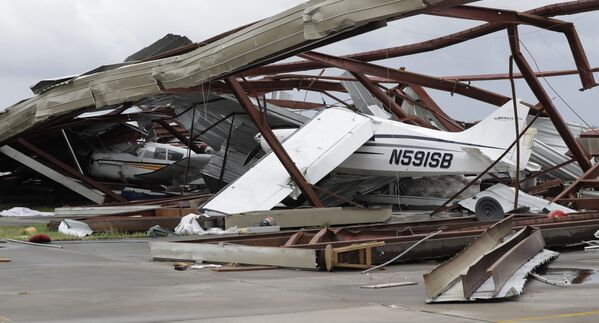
{"x":438,"y":186}
{"x":189,"y":225}
{"x":505,"y":196}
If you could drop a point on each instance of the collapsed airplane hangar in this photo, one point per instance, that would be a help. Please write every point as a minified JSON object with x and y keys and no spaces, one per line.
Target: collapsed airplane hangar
{"x":220,"y":97}
{"x":176,"y":80}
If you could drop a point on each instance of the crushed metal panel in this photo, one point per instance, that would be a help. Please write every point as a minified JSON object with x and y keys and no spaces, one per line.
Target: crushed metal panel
{"x":302,"y":25}
{"x":477,"y":274}
{"x":317,"y":217}
{"x":513,"y":287}
{"x":248,"y":47}
{"x":227,"y":253}
{"x":316,"y":148}
{"x":330,"y":16}
{"x":438,"y":279}
{"x":505,"y":196}
{"x":509,"y":263}
{"x":550,"y":149}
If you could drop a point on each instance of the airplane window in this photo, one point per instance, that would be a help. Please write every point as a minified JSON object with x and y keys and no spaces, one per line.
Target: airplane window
{"x":160,"y":153}
{"x":174,"y":155}
{"x":148,"y":154}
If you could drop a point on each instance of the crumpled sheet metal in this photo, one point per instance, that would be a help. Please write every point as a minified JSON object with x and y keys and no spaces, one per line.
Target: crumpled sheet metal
{"x":252,"y":45}
{"x":512,"y":288}
{"x":330,"y":16}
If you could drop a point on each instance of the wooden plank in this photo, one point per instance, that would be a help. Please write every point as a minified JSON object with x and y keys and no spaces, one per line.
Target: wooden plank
{"x":5,"y":259}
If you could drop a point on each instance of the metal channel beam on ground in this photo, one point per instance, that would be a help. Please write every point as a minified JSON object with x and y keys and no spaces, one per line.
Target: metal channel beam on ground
{"x":316,"y":149}
{"x":225,"y":253}
{"x":478,"y":272}
{"x":314,"y":217}
{"x":438,"y":279}
{"x":66,"y":181}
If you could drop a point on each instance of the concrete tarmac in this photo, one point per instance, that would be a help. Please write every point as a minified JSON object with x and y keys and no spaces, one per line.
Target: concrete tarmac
{"x":116,"y":281}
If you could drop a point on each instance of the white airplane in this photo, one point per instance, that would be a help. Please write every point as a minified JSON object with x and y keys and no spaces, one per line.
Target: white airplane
{"x":341,"y":141}
{"x":402,"y":150}
{"x":150,"y":162}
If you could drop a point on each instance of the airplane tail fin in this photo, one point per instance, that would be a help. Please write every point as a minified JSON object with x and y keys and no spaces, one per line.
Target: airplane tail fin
{"x":497,"y":132}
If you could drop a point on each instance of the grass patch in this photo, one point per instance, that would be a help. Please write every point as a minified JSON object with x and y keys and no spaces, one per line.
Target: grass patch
{"x":16,"y":232}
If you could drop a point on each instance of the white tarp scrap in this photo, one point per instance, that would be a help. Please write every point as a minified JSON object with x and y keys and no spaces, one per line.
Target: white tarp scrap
{"x":190,"y":225}
{"x":23,"y":212}
{"x":505,"y":196}
{"x":74,"y":228}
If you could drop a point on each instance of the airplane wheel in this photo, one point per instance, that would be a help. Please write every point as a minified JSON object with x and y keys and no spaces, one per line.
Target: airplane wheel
{"x":488,"y":209}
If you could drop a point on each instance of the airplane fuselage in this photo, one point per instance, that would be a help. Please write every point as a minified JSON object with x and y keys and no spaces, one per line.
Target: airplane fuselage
{"x":402,"y":150}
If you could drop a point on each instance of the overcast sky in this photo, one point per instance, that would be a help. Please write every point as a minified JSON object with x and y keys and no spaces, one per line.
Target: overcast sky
{"x":45,"y":39}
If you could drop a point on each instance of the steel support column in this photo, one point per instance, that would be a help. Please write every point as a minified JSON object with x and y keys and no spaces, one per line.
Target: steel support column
{"x":273,"y":142}
{"x":70,"y":170}
{"x":536,"y":87}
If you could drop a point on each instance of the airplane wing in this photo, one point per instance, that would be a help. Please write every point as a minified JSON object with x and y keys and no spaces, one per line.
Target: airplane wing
{"x":176,"y":171}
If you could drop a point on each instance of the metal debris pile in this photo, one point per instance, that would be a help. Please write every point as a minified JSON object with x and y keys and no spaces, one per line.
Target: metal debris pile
{"x":204,"y":137}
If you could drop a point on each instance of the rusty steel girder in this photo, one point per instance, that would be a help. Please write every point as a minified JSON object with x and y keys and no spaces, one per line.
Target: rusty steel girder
{"x":538,"y":90}
{"x":258,"y":120}
{"x":509,"y":17}
{"x":399,"y":76}
{"x":573,"y":7}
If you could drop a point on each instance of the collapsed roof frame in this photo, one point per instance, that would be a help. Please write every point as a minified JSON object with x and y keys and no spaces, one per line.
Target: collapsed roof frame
{"x":188,"y":69}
